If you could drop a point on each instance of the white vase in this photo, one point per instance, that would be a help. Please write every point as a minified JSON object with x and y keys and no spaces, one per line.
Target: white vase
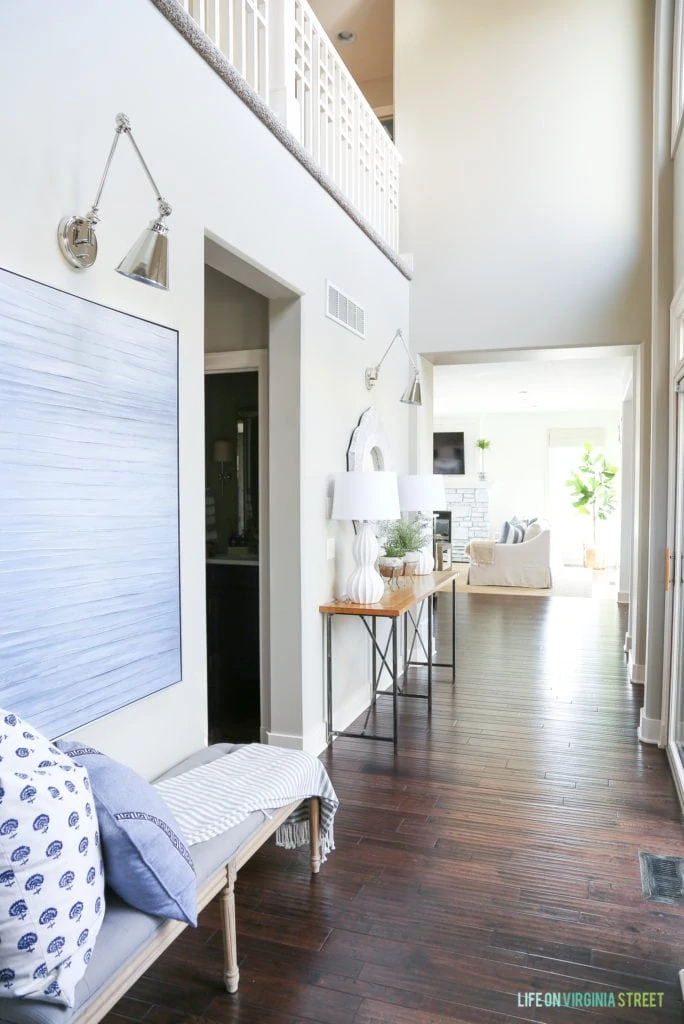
{"x":426,"y":561}
{"x":411,"y":560}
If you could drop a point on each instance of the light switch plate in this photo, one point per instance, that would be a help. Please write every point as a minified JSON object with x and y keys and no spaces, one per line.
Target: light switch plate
{"x":330,"y":547}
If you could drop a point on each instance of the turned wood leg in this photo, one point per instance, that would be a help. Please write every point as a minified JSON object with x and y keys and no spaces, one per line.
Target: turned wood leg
{"x":231,"y":974}
{"x":314,"y":838}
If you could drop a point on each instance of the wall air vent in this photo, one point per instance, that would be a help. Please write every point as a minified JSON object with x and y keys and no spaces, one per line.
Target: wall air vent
{"x":340,"y":308}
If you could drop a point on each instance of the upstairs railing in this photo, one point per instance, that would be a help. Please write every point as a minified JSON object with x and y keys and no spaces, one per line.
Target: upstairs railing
{"x":282,"y":51}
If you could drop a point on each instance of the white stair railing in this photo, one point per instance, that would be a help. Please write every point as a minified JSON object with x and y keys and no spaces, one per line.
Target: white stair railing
{"x":240,"y":30}
{"x":281,"y":49}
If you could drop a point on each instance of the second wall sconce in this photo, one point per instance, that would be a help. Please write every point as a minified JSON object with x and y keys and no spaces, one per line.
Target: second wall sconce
{"x":148,"y":260}
{"x":412,"y":394}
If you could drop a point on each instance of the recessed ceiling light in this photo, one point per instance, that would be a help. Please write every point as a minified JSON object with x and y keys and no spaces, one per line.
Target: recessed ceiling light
{"x":346,"y":36}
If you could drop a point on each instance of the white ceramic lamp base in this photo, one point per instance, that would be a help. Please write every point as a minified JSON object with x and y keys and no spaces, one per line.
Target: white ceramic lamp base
{"x":426,"y":562}
{"x":365,"y":585}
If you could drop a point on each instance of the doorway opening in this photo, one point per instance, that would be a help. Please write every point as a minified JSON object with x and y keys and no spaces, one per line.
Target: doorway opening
{"x":236,"y":339}
{"x":232,"y":541}
{"x":585,"y":549}
{"x":525,"y":417}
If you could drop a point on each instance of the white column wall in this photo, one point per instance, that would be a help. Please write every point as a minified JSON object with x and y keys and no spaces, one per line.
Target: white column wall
{"x":626,"y":499}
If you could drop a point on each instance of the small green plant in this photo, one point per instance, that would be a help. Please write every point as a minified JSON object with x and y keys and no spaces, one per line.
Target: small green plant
{"x":483,"y":444}
{"x":399,"y":536}
{"x":592,"y":488}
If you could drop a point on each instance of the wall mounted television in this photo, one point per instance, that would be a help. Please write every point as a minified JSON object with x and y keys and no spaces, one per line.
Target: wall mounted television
{"x":448,"y":453}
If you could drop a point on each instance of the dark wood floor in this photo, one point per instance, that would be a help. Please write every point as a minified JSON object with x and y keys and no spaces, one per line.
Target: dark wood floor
{"x":496,"y":855}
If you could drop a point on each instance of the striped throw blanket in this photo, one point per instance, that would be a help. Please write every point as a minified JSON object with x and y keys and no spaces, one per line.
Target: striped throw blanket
{"x":214,"y":797}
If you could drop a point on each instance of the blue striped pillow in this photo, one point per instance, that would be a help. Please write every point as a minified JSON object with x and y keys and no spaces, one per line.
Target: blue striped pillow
{"x":512,"y":532}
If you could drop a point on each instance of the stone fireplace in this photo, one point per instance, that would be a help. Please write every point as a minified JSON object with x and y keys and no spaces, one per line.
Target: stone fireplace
{"x":468,"y":503}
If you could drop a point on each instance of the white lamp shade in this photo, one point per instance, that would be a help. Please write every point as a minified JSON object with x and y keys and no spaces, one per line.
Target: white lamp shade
{"x":421,"y":492}
{"x":439,"y":495}
{"x":366,"y":495}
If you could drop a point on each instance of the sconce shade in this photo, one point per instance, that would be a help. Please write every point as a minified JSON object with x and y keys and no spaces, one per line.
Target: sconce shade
{"x":148,"y":259}
{"x":366,"y":495}
{"x":421,"y":492}
{"x":413,"y":394}
{"x":223,"y":451}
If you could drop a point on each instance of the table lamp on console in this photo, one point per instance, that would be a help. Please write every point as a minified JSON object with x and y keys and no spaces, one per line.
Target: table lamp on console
{"x":365,"y":497}
{"x":422,"y":492}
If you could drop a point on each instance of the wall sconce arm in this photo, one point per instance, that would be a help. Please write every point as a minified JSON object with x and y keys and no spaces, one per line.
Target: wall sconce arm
{"x":373,"y":372}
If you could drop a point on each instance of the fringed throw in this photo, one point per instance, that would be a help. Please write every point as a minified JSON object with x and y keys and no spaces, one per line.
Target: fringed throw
{"x":481,"y":551}
{"x":214,"y":797}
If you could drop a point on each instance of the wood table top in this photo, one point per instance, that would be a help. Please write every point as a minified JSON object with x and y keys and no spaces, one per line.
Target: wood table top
{"x":395,"y":602}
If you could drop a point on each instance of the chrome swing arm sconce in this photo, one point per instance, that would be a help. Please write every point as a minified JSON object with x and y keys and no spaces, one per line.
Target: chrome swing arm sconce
{"x":412,"y":394}
{"x":147,"y":261}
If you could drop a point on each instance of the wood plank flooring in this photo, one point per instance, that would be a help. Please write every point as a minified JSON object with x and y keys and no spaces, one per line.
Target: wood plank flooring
{"x":493,"y":860}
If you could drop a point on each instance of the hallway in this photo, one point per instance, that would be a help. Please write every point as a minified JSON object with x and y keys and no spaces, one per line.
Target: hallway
{"x":494,"y":858}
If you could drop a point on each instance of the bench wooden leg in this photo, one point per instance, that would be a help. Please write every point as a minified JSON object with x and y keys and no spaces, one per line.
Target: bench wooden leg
{"x":314,"y":838}
{"x":231,"y":974}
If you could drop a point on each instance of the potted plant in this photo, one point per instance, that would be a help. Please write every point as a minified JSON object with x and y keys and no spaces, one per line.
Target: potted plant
{"x":593,"y":493}
{"x":483,"y":444}
{"x":407,"y":537}
{"x":391,"y":562}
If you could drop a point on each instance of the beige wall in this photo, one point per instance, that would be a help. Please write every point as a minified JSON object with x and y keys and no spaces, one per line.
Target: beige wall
{"x":235,"y":317}
{"x":525,"y":130}
{"x":378,"y":92}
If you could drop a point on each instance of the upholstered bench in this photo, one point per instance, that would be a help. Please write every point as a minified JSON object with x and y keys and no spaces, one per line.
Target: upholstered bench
{"x":130,"y":941}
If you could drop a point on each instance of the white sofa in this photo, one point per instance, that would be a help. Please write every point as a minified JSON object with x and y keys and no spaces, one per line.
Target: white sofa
{"x":526,"y":564}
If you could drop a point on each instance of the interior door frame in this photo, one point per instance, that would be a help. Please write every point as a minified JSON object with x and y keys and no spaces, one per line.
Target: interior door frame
{"x":245,"y":361}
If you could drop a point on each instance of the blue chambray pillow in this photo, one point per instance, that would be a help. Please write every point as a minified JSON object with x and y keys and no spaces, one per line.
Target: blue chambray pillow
{"x":145,"y":856}
{"x":51,"y":871}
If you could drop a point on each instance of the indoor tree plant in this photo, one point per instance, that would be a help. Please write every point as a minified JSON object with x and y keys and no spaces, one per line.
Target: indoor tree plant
{"x":483,"y":444}
{"x":593,"y":494}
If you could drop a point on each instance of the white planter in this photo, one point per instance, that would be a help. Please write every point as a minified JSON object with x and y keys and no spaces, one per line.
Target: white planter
{"x":426,"y":561}
{"x":411,"y":562}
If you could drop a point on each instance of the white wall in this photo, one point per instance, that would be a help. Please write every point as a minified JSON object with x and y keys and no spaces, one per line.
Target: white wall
{"x":224,"y":173}
{"x":517,"y":464}
{"x":525,"y":130}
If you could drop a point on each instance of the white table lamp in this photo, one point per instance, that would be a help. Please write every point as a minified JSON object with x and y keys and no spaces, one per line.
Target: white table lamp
{"x":365,"y":497}
{"x":422,"y":492}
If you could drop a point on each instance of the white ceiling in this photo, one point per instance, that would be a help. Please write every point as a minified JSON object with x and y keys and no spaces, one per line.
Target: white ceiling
{"x":572,"y":385}
{"x":371,"y":54}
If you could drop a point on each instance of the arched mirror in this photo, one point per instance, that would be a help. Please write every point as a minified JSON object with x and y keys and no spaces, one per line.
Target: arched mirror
{"x":369,"y":447}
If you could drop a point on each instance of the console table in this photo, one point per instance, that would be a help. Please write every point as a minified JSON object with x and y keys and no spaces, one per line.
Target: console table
{"x":408,"y":604}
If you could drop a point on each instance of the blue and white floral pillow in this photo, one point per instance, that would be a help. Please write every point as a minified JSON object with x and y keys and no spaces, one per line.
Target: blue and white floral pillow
{"x":51,"y":871}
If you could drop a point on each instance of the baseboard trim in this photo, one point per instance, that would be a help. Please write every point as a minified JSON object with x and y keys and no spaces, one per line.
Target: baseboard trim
{"x":649,"y":729}
{"x":623,"y":597}
{"x":637,"y":673}
{"x":285,"y":739}
{"x":628,"y":643}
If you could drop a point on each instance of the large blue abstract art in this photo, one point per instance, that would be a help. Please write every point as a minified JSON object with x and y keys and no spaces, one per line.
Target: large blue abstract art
{"x":89,"y":558}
